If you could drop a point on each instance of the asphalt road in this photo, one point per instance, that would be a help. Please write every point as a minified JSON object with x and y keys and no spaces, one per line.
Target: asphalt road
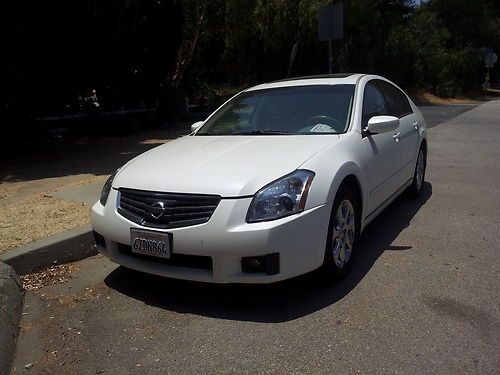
{"x":437,"y":114}
{"x":422,"y":298}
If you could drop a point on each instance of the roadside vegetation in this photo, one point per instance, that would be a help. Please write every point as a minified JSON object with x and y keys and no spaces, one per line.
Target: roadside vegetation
{"x":98,"y":66}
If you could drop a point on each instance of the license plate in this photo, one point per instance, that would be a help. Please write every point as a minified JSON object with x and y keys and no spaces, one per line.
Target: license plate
{"x":157,"y":244}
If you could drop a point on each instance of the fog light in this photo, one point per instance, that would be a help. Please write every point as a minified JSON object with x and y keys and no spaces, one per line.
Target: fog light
{"x":268,"y":264}
{"x":252,"y":265}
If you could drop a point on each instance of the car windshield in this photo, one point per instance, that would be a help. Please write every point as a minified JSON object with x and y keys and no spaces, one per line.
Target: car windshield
{"x":314,"y":109}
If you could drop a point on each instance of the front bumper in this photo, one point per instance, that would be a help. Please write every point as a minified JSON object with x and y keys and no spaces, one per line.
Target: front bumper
{"x":226,"y":238}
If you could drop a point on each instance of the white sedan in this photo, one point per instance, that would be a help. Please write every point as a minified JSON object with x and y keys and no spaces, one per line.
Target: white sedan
{"x":279,"y":181}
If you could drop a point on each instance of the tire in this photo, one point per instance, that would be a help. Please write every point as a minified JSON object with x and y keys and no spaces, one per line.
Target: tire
{"x":417,"y":183}
{"x":335,"y":268}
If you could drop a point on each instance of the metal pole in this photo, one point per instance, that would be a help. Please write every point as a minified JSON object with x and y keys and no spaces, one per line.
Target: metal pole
{"x":330,"y":58}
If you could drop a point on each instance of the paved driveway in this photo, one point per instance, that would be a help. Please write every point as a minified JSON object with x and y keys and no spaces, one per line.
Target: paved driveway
{"x":422,"y":298}
{"x":437,"y":114}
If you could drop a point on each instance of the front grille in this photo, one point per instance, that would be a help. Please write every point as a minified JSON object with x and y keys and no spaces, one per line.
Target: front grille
{"x":166,"y":210}
{"x":179,"y":260}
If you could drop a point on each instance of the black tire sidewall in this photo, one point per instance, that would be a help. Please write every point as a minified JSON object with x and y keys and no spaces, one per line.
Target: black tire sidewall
{"x":414,"y":190}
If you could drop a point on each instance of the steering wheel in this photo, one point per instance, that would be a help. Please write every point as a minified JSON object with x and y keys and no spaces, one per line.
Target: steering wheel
{"x":329,"y":121}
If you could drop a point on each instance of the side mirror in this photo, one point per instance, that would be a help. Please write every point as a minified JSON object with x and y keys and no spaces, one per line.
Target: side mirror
{"x":196,"y":125}
{"x":382,"y":124}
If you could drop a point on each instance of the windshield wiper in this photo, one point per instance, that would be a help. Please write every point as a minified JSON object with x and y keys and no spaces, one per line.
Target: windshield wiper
{"x":263,"y":132}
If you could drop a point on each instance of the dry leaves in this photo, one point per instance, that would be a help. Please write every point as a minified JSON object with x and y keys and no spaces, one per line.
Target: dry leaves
{"x":50,"y":276}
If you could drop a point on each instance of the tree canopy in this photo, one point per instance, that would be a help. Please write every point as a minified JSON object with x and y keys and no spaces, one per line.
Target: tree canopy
{"x":55,"y":55}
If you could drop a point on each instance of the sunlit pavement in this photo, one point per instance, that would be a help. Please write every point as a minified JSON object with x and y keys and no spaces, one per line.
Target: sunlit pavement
{"x":437,"y":114}
{"x":422,"y":298}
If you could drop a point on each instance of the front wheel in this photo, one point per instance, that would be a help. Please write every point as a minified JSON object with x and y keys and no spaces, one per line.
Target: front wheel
{"x":419,"y":175}
{"x":343,"y":235}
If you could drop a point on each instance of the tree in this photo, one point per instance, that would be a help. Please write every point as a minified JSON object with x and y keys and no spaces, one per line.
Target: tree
{"x":198,"y":17}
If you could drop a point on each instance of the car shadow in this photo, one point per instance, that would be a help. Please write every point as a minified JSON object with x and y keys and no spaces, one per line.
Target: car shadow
{"x":274,"y":303}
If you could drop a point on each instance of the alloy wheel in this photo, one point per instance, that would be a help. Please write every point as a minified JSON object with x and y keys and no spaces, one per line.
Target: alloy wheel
{"x":343,"y":233}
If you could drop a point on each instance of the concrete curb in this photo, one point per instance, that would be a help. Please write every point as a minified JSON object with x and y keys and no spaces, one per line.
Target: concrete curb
{"x":61,"y":248}
{"x":11,"y":302}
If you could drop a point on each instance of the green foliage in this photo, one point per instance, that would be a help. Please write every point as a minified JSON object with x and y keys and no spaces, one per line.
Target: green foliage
{"x":470,"y":23}
{"x":427,"y":56}
{"x":430,"y":46}
{"x":156,"y":51}
{"x":419,"y":47}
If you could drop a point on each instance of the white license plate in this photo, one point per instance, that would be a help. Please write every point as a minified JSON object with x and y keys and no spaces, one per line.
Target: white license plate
{"x":157,"y":244}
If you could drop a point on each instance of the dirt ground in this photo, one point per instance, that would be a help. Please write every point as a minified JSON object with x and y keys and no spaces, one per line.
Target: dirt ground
{"x":427,"y":98}
{"x":29,"y":213}
{"x":53,"y":275}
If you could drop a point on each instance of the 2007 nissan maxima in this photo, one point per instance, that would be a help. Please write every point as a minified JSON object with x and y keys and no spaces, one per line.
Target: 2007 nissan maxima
{"x":279,"y":181}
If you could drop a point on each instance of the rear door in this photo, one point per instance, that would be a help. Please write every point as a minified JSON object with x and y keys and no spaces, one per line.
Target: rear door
{"x":399,"y":106}
{"x":381,"y":150}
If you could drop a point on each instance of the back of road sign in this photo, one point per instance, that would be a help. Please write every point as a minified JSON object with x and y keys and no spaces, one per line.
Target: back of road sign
{"x":331,"y":22}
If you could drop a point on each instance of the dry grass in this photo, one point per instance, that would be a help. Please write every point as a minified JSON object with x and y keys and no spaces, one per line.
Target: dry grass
{"x":7,"y":190}
{"x":84,"y":180}
{"x":436,"y":100}
{"x":426,"y":98}
{"x":37,"y":217}
{"x":28,"y":213}
{"x":27,"y":181}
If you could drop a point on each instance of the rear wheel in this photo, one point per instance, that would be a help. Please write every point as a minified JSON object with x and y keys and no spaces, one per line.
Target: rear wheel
{"x":343,"y":235}
{"x":419,"y":175}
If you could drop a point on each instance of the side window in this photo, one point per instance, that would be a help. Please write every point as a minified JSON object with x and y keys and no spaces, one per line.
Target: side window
{"x":374,"y":103}
{"x":399,"y":105}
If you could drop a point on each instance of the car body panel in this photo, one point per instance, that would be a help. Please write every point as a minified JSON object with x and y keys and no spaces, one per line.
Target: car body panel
{"x":226,"y":238}
{"x":236,"y":167}
{"x":229,"y":166}
{"x":350,"y":79}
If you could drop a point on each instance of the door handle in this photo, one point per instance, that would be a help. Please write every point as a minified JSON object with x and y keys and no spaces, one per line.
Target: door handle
{"x":396,"y":136}
{"x":415,"y":125}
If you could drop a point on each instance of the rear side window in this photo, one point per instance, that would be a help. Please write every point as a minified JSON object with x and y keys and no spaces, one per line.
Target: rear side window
{"x":397,"y":101}
{"x":374,"y":103}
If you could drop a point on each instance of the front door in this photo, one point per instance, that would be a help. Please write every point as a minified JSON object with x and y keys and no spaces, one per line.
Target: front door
{"x":399,"y":106}
{"x":381,"y":151}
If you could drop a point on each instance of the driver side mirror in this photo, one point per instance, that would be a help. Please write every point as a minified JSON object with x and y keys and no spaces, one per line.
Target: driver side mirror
{"x":382,"y":124}
{"x":196,"y":125}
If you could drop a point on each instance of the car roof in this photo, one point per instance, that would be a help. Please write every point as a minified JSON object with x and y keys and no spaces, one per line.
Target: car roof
{"x":325,"y":79}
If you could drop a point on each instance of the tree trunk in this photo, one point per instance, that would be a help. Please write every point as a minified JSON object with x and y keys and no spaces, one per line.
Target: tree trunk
{"x":189,"y":43}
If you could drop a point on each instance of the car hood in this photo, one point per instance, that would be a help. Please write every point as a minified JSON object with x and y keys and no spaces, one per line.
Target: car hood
{"x":229,"y":166}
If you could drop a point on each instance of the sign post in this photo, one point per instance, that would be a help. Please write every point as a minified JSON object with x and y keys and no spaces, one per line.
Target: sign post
{"x":330,"y":27}
{"x":490,"y":58}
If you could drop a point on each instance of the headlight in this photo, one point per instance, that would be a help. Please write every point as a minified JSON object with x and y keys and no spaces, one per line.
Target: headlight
{"x":107,"y":188}
{"x":281,"y":198}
